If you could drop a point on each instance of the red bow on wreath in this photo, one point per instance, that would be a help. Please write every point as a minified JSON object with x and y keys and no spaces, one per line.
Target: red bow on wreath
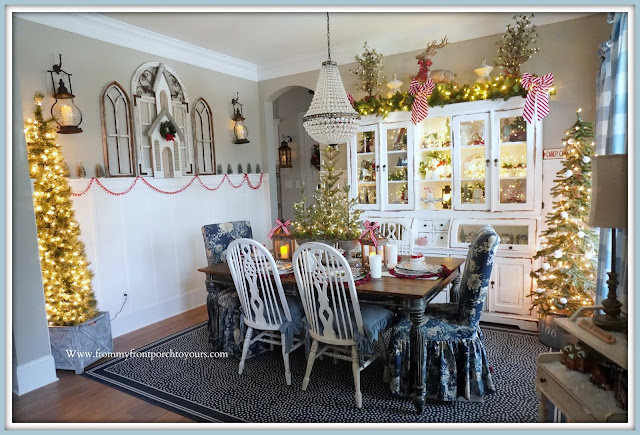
{"x":370,"y":228}
{"x":280,"y":224}
{"x":169,"y":137}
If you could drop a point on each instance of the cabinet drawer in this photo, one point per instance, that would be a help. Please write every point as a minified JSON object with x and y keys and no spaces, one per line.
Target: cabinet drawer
{"x":441,"y":225}
{"x":425,"y":225}
{"x":435,"y":239}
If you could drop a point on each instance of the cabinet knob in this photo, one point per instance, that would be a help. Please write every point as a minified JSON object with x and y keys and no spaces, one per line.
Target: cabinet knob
{"x":510,"y":247}
{"x":543,"y":380}
{"x":492,"y":283}
{"x":495,"y":162}
{"x":384,"y":166}
{"x":487,"y":162}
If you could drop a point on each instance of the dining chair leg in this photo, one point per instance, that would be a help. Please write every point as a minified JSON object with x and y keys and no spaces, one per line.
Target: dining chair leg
{"x":310,"y":360}
{"x":386,"y":376}
{"x":245,"y":349}
{"x":285,"y":358}
{"x":356,"y":375}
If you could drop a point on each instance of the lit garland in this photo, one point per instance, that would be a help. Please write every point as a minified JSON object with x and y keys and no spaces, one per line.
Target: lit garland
{"x":502,"y":87}
{"x":66,"y":277}
{"x":566,"y":279}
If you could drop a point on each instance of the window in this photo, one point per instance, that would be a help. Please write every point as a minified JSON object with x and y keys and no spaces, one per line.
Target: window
{"x":151,"y":85}
{"x":117,"y":141}
{"x":204,"y":145}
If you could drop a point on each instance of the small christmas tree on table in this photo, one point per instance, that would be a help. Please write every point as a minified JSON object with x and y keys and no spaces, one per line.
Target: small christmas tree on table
{"x":65,"y":270}
{"x":566,"y":280}
{"x":332,"y":216}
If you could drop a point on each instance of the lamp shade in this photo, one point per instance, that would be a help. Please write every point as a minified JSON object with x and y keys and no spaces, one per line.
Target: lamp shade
{"x":330,"y":119}
{"x":609,"y":191}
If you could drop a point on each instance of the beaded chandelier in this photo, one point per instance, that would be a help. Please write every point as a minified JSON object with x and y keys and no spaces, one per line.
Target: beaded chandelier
{"x":330,"y":119}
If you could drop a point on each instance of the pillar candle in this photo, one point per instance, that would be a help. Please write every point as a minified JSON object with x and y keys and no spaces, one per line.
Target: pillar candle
{"x":67,"y":115}
{"x":284,"y":252}
{"x":391,"y":255}
{"x":375,"y":266}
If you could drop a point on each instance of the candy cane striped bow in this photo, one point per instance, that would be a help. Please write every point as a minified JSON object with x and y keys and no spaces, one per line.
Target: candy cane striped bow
{"x":421,"y":93}
{"x":280,"y":224}
{"x":370,"y":228}
{"x":537,"y":102}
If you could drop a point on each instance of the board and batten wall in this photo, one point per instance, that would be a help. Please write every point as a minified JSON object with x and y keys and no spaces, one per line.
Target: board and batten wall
{"x":145,"y":244}
{"x":149,"y":245}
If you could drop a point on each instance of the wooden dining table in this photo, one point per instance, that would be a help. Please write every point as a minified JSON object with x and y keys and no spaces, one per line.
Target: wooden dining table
{"x":408,"y":295}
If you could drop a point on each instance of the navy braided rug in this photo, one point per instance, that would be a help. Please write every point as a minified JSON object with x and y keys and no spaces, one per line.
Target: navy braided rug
{"x":210,"y":389}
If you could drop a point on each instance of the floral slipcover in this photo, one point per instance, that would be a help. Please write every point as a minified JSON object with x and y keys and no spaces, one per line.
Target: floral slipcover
{"x":229,"y":325}
{"x":456,"y":361}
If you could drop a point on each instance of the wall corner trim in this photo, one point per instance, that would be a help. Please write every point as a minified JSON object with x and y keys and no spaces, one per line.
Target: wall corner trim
{"x":34,"y":374}
{"x":115,"y":32}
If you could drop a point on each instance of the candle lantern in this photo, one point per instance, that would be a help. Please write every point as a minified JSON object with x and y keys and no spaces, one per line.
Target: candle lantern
{"x":239,"y":129}
{"x":64,"y":111}
{"x":283,"y":243}
{"x":369,"y":247}
{"x":446,"y":197}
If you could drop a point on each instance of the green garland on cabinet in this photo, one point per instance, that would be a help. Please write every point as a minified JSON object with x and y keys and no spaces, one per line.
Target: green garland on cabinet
{"x":502,"y":87}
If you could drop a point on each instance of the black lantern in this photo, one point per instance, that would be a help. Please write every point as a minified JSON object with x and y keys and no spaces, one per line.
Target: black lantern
{"x":64,"y":111}
{"x":239,"y":129}
{"x":284,"y":152}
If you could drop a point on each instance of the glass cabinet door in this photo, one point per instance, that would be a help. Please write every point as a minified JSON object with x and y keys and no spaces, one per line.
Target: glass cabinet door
{"x":513,"y":164}
{"x":433,"y":170}
{"x":472,"y":151}
{"x":366,"y":164}
{"x":516,"y":235}
{"x":396,"y":160}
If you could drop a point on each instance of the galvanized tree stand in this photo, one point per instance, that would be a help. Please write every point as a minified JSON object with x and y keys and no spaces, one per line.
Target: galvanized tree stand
{"x":75,"y":347}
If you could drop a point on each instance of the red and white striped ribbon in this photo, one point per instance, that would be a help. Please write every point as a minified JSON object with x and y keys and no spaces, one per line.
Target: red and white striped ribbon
{"x":420,"y":92}
{"x":537,"y":102}
{"x":280,"y":224}
{"x":371,"y":227}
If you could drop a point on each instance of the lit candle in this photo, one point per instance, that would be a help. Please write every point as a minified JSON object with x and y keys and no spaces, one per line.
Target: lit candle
{"x":375,"y":266}
{"x":284,"y":252}
{"x":67,"y":115}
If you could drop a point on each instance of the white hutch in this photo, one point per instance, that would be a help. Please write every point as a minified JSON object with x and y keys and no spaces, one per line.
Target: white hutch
{"x":465,"y":165}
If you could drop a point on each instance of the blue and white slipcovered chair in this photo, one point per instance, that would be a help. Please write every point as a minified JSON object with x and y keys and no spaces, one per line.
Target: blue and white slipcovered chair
{"x":274,"y":317}
{"x":346,"y":329}
{"x":226,"y":328}
{"x":456,"y":361}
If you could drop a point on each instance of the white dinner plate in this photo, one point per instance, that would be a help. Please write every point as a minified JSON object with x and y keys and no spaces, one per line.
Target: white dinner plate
{"x":406,"y":267}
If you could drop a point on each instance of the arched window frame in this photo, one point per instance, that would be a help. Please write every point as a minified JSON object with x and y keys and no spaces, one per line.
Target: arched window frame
{"x":118,"y":132}
{"x":204,"y":118}
{"x":145,"y":108}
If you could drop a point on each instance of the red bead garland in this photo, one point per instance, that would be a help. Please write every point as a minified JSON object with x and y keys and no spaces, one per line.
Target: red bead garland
{"x":245,"y":178}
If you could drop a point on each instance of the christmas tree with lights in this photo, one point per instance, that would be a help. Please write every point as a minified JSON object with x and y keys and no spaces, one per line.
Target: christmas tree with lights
{"x":65,"y":270}
{"x":369,"y":70}
{"x":332,"y":215}
{"x":515,"y":46}
{"x":566,"y":278}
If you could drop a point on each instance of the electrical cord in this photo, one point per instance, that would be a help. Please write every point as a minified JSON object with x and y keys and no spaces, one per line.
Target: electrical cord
{"x":121,"y":307}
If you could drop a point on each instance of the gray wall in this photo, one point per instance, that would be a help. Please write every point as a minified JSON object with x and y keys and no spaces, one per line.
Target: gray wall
{"x":94,"y":64}
{"x":569,"y":49}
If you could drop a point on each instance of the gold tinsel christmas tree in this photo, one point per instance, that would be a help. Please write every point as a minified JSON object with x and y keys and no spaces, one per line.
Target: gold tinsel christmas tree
{"x":369,"y":70}
{"x":515,"y":46}
{"x":65,"y":270}
{"x":566,"y":278}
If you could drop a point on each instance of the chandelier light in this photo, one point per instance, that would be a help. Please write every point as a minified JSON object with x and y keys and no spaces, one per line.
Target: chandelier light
{"x":331,"y":119}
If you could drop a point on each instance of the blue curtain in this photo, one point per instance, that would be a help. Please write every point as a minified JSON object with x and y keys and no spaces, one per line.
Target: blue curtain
{"x":611,"y":137}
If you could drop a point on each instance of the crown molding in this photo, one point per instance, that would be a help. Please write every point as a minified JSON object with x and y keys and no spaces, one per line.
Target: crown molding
{"x":106,"y":29}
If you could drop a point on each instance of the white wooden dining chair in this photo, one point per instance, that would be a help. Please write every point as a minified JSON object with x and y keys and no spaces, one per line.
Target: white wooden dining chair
{"x":264,"y":304}
{"x":400,"y":233}
{"x":336,"y":318}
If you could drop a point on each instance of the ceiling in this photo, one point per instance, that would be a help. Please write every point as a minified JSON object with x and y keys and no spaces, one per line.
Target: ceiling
{"x":284,"y":43}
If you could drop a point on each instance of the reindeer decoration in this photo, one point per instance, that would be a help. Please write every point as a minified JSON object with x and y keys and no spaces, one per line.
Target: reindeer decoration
{"x":424,"y":60}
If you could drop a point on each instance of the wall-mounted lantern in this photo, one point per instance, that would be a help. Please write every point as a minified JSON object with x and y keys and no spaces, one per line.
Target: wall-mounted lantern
{"x":284,"y":152}
{"x":64,"y":111}
{"x":239,"y":130}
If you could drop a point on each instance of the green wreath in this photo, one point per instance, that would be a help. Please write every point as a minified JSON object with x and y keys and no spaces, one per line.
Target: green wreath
{"x":168,"y":130}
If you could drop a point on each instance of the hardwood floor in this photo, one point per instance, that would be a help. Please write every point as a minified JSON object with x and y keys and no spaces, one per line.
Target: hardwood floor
{"x":74,"y":398}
